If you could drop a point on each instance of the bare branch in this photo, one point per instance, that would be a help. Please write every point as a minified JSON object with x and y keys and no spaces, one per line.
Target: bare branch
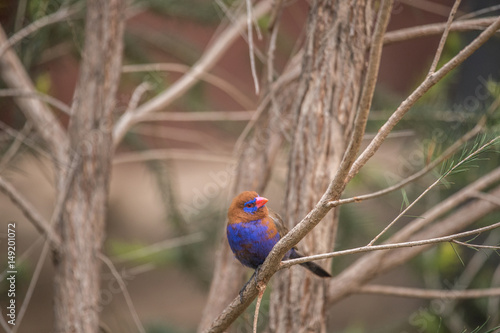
{"x":169,"y":154}
{"x":201,"y":116}
{"x":31,"y":287}
{"x":428,"y":6}
{"x":49,"y":128}
{"x":428,"y":293}
{"x":215,"y":80}
{"x":488,"y":197}
{"x":136,"y":95}
{"x":125,"y":293}
{"x":62,"y":14}
{"x":35,"y":94}
{"x":14,"y":148}
{"x":440,"y":48}
{"x":429,"y":82}
{"x":207,"y":61}
{"x":160,"y":246}
{"x":446,"y":154}
{"x":30,"y":212}
{"x":404,"y":211}
{"x":436,"y":28}
{"x":250,"y":46}
{"x":370,"y":248}
{"x":476,"y":246}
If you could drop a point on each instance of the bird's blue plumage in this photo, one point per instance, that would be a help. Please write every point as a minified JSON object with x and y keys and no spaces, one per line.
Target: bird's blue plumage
{"x":250,"y":241}
{"x":252,"y":232}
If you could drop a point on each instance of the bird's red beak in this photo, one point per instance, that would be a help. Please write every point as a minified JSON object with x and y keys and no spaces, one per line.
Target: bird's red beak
{"x":260,"y":201}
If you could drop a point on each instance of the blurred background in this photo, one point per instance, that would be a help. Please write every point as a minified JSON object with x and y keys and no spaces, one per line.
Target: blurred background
{"x":167,"y":211}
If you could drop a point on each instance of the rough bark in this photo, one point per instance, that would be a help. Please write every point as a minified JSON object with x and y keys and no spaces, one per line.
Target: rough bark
{"x":334,"y":64}
{"x":77,"y":267}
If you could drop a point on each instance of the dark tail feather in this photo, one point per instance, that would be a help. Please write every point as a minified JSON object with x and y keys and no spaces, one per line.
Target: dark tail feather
{"x":313,"y":267}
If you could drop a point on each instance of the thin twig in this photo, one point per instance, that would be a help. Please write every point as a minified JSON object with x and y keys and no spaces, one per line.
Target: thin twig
{"x":440,"y":48}
{"x":35,"y":94}
{"x":30,"y":212}
{"x":171,"y":154}
{"x":479,"y":12}
{"x":262,"y":289}
{"x":213,"y":79}
{"x":14,"y":148}
{"x":477,"y":246}
{"x":428,"y":293}
{"x":60,"y":15}
{"x":124,"y":290}
{"x":486,"y":196}
{"x":31,"y":287}
{"x":429,"y":82}
{"x":137,"y":94}
{"x":370,"y":248}
{"x":446,"y":154}
{"x":201,"y":116}
{"x":160,"y":246}
{"x":470,"y":156}
{"x":250,"y":46}
{"x":428,"y":6}
{"x":402,"y":35}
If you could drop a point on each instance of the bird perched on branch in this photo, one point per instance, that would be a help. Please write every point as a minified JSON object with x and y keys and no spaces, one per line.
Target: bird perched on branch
{"x":253,"y":230}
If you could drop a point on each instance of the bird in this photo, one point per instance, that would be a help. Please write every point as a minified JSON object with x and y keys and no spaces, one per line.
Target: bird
{"x":253,"y":229}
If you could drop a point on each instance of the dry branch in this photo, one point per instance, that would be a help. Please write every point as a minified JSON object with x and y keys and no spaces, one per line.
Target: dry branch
{"x":46,"y":124}
{"x":446,"y":154}
{"x":402,"y":35}
{"x":440,"y":48}
{"x":62,"y":14}
{"x":427,"y":293}
{"x":389,"y":246}
{"x":30,"y":212}
{"x":35,"y":94}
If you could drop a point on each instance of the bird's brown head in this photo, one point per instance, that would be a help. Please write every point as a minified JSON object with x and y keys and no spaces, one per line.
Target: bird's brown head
{"x":247,"y":206}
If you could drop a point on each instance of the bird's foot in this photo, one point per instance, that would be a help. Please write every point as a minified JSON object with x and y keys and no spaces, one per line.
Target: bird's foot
{"x":254,"y":276}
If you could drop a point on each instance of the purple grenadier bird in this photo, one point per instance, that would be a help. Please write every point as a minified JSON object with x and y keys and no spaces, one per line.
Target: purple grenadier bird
{"x":253,"y":230}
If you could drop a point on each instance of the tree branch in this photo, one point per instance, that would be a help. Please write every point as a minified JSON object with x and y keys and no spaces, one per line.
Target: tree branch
{"x":125,"y":293}
{"x":446,"y":154}
{"x":30,"y":212}
{"x":404,"y":211}
{"x":428,"y":293}
{"x":35,"y":94}
{"x":215,"y":80}
{"x":402,"y":35}
{"x":391,"y":246}
{"x":170,"y":154}
{"x":440,"y":48}
{"x":60,"y":15}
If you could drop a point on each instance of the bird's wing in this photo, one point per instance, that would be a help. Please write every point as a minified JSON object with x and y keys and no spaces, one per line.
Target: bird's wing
{"x":278,"y":221}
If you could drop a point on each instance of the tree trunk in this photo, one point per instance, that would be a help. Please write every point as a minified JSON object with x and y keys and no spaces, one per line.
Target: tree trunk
{"x":333,"y":67}
{"x":77,"y":266}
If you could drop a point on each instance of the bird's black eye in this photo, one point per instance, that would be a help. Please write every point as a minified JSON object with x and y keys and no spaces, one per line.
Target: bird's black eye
{"x":249,"y":205}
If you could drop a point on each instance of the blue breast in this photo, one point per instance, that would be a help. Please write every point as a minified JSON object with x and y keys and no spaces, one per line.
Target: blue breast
{"x":250,"y":242}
